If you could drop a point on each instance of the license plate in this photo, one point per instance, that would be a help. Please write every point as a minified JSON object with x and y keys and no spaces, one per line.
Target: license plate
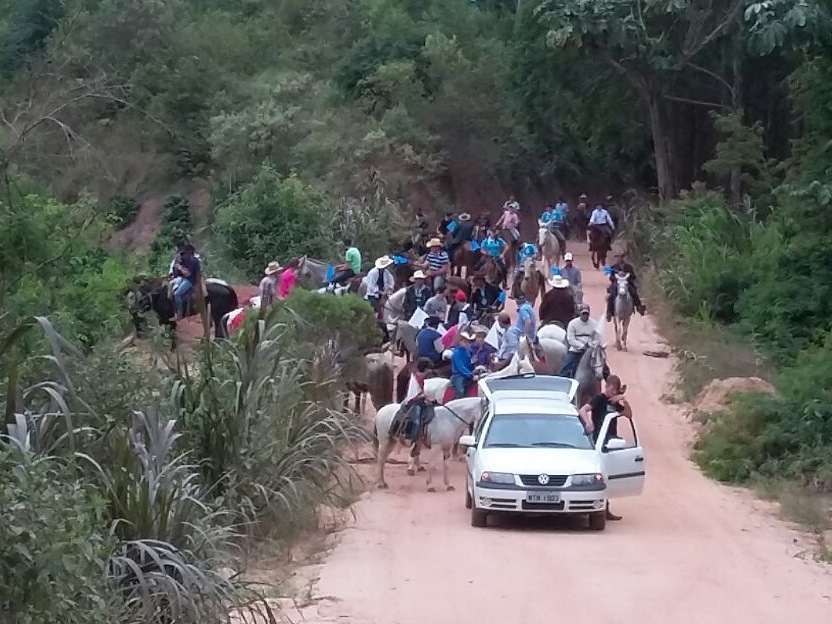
{"x":542,"y":497}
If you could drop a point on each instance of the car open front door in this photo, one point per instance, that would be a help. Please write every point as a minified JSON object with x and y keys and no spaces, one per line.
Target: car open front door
{"x":622,"y":455}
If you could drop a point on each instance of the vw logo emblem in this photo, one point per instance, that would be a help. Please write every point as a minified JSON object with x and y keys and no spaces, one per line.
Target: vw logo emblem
{"x":543,"y":479}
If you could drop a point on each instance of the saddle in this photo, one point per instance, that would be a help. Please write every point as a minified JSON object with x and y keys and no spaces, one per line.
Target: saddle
{"x":402,"y":423}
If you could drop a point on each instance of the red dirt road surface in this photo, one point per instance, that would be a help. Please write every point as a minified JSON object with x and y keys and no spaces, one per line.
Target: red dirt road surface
{"x":688,"y":551}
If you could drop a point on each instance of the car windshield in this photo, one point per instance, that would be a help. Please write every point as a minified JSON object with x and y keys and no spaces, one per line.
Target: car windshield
{"x":536,"y":431}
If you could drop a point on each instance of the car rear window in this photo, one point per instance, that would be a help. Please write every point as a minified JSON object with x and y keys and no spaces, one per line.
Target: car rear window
{"x":536,"y":431}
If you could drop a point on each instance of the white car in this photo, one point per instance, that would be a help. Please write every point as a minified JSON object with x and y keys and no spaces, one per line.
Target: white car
{"x":530,"y":454}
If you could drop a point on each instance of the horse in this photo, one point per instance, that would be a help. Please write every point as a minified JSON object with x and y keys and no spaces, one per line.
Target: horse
{"x":550,"y":358}
{"x":623,"y":307}
{"x":552,"y":247}
{"x":493,"y":272}
{"x":600,"y":244}
{"x":590,"y":371}
{"x":442,"y":432}
{"x":531,"y":283}
{"x":464,"y":258}
{"x":152,"y":294}
{"x":312,"y":275}
{"x":552,"y":331}
{"x":372,"y":374}
{"x":392,"y":311}
{"x":513,"y":247}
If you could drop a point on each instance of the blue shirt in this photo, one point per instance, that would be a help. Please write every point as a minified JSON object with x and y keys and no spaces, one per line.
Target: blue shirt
{"x":527,"y":250}
{"x":562,"y":207}
{"x":546,"y":216}
{"x":557,"y":214}
{"x":493,"y":246}
{"x":425,"y":344}
{"x":510,"y":343}
{"x":481,"y":354}
{"x":526,"y":313}
{"x":461,"y":362}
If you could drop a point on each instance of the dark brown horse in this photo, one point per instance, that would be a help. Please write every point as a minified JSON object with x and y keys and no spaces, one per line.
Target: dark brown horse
{"x":493,"y":272}
{"x":464,"y":258}
{"x":600,"y":243}
{"x":513,"y":248}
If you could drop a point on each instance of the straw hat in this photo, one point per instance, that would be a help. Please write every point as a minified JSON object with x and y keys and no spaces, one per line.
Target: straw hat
{"x":384,"y":262}
{"x":464,"y":217}
{"x":559,"y":282}
{"x":418,"y":275}
{"x":479,"y":330}
{"x":466,"y":335}
{"x":272,"y":268}
{"x":434,"y":242}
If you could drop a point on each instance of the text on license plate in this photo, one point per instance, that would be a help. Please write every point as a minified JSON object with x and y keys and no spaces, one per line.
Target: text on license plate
{"x":542,"y":497}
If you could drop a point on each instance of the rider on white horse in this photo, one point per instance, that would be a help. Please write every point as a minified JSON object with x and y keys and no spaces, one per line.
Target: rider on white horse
{"x":622,"y":266}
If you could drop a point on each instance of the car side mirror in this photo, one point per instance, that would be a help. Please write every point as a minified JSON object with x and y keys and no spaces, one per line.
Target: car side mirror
{"x":467,"y":440}
{"x":615,"y":444}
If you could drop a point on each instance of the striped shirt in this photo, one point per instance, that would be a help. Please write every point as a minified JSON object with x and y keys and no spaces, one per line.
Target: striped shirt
{"x":437,"y":261}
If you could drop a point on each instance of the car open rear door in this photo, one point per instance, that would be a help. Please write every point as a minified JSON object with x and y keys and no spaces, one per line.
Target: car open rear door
{"x":622,"y":455}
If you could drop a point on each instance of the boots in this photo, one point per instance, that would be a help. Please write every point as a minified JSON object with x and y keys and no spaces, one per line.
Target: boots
{"x":610,"y":515}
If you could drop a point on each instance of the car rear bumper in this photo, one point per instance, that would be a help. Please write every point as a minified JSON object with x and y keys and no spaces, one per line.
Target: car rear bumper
{"x":515,"y":501}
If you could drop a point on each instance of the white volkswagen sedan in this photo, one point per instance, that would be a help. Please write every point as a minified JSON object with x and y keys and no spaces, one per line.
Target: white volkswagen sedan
{"x":531,"y":455}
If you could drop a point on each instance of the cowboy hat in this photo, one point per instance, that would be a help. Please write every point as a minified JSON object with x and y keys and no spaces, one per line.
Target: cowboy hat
{"x":466,"y":335}
{"x":583,"y":196}
{"x":567,"y":257}
{"x":464,"y":217}
{"x":559,"y":282}
{"x":479,"y":329}
{"x":272,"y":268}
{"x":434,"y":242}
{"x":383,"y":262}
{"x":418,"y":275}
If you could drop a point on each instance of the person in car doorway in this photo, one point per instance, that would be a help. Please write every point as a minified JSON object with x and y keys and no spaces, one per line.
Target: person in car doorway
{"x":595,"y":412}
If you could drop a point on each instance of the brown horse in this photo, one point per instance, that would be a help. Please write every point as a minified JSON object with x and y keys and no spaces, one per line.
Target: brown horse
{"x":513,"y":248}
{"x":465,"y":258}
{"x":493,"y":272}
{"x":600,"y":243}
{"x":530,"y":282}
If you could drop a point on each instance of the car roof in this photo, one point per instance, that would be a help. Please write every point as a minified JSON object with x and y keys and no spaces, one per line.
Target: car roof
{"x":508,"y":395}
{"x":529,"y":383}
{"x":534,"y":405}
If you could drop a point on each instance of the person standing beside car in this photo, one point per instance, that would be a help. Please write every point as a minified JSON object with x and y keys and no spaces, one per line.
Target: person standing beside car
{"x":594,"y":413}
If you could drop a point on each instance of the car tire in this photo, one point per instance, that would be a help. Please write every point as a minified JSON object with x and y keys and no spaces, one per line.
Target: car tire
{"x":479,"y":518}
{"x":469,"y":502}
{"x":598,"y":521}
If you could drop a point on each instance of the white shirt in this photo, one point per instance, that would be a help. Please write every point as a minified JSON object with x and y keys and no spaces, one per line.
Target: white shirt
{"x":600,"y":216}
{"x":579,"y":333}
{"x":413,"y":387}
{"x":371,"y":282}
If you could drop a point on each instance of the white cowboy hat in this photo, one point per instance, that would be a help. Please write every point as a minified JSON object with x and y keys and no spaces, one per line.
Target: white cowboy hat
{"x":567,"y":257}
{"x":465,"y":217}
{"x":559,"y":282}
{"x":418,"y":275}
{"x":383,"y":262}
{"x":583,"y":196}
{"x":274,"y":267}
{"x":434,"y":242}
{"x":466,"y":335}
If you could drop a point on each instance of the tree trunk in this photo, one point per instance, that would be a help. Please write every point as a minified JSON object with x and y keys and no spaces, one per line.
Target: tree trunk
{"x":735,"y":183}
{"x":661,"y":147}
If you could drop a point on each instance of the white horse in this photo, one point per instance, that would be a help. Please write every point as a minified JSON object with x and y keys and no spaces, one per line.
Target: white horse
{"x":550,"y":248}
{"x":623,"y":305}
{"x":554,"y":352}
{"x":392,"y":312}
{"x":552,"y":332}
{"x":443,"y":432}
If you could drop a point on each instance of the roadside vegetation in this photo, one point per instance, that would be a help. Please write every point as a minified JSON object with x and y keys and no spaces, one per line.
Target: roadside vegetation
{"x":134,"y":492}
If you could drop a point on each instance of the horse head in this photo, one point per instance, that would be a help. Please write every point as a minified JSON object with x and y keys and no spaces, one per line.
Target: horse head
{"x":596,"y":358}
{"x":542,"y":235}
{"x":622,"y":281}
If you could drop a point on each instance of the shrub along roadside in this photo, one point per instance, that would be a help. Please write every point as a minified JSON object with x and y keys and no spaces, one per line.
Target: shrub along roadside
{"x":244,"y":440}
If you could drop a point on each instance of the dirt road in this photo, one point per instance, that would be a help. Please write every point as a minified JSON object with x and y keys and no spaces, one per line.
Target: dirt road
{"x":687,"y":551}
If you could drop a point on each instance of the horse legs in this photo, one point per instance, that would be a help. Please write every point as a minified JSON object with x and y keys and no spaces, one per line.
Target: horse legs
{"x":625,"y":328}
{"x":445,"y":456}
{"x":413,"y":461}
{"x":385,"y":445}
{"x":617,"y":324}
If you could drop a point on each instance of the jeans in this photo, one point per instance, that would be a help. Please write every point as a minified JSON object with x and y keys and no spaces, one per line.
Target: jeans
{"x":460,"y":384}
{"x":342,"y":276}
{"x":414,"y":429}
{"x":180,"y":290}
{"x":570,"y":363}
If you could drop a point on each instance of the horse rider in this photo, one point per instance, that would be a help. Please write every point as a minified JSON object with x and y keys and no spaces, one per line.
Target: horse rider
{"x":601,"y":217}
{"x":545,"y":218}
{"x":447,"y":225}
{"x":579,"y":333}
{"x":268,"y":285}
{"x":380,"y":283}
{"x":510,"y":220}
{"x":482,"y":224}
{"x":349,"y":268}
{"x":188,"y":268}
{"x":558,"y":304}
{"x":437,"y":263}
{"x":622,"y":266}
{"x":493,"y":246}
{"x":415,"y":400}
{"x":464,"y":232}
{"x":570,"y":272}
{"x":429,"y":341}
{"x":511,"y":204}
{"x":527,"y":250}
{"x":417,"y":294}
{"x":562,"y":209}
{"x":509,"y":341}
{"x":583,"y":211}
{"x":484,"y":296}
{"x":526,"y":318}
{"x":461,"y":312}
{"x":462,"y":369}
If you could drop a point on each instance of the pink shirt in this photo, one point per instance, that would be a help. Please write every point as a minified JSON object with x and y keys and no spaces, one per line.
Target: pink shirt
{"x":288,"y":280}
{"x":449,"y":337}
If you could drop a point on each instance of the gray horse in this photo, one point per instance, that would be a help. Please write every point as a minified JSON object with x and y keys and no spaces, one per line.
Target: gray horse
{"x":590,"y":371}
{"x":623,"y":310}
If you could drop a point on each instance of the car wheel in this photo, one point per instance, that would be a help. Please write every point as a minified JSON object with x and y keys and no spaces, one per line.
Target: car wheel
{"x":479,"y":518}
{"x":598,"y":521}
